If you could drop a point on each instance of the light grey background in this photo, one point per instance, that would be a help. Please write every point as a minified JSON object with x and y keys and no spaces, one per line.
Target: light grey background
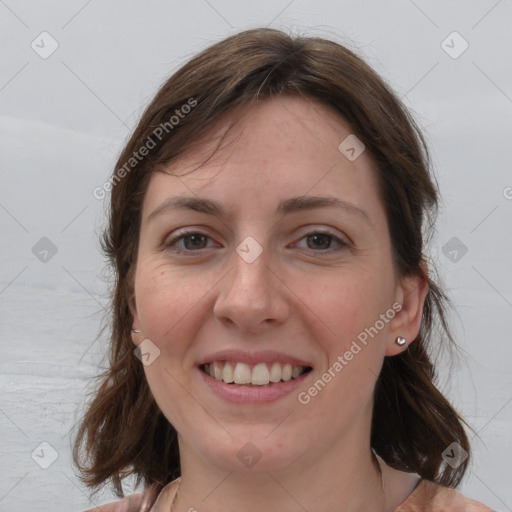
{"x":66,"y":116}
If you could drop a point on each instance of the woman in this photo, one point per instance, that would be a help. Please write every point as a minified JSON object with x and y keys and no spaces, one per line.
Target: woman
{"x":273,"y":305}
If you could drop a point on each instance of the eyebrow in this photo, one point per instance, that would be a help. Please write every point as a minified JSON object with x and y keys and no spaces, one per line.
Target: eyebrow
{"x":285,"y":207}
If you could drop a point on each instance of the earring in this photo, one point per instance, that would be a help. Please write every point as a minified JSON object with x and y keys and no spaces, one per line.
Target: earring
{"x":135,"y":331}
{"x":400,"y":341}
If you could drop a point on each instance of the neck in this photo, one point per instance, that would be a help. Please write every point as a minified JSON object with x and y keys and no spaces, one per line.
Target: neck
{"x":344,"y":479}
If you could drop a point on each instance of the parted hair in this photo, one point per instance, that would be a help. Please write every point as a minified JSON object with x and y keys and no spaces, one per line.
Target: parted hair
{"x":122,"y":431}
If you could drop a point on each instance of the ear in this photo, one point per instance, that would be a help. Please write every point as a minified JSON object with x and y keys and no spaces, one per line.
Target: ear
{"x":411,"y":294}
{"x":137,"y":337}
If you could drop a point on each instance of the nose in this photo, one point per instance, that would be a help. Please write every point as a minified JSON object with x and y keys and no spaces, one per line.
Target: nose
{"x":252,"y":296}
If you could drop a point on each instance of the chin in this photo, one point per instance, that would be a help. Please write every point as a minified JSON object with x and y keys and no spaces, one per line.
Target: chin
{"x":251,"y":453}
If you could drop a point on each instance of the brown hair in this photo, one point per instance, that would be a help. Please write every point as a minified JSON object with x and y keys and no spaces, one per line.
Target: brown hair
{"x":123,"y":430}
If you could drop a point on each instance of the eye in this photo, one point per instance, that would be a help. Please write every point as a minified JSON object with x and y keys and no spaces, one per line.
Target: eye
{"x":320,"y":241}
{"x":195,"y":241}
{"x":192,"y":241}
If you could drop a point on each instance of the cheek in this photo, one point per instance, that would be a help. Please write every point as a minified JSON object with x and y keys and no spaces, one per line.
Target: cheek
{"x":348,"y":308}
{"x":163,"y":301}
{"x":168,"y":309}
{"x":347,"y":304}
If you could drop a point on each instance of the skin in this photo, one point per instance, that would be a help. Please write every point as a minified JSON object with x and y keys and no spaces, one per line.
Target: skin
{"x":302,"y":296}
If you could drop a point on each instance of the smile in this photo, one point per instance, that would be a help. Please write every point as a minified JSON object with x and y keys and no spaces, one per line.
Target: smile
{"x":260,"y":374}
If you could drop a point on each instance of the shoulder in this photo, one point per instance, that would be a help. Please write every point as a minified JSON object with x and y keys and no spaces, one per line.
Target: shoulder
{"x":431,"y":497}
{"x":141,"y":502}
{"x":131,"y":503}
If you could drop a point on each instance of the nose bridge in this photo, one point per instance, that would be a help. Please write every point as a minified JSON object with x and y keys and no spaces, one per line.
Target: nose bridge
{"x":250,"y":276}
{"x":251,"y":294}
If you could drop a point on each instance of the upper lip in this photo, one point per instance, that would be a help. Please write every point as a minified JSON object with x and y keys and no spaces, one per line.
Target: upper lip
{"x":260,"y":356}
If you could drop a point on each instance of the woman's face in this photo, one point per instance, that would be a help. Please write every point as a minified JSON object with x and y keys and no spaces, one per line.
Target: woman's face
{"x":276,"y":259}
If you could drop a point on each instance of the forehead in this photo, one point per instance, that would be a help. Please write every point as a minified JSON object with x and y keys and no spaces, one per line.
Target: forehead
{"x":275,"y":149}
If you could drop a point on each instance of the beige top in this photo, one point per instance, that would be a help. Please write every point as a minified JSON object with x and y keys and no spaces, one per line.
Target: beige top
{"x":431,"y":497}
{"x":426,"y":497}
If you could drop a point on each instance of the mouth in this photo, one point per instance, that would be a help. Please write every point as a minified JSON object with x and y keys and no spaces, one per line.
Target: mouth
{"x":258,"y":375}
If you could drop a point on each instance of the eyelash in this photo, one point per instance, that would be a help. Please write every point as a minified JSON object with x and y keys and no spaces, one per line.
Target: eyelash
{"x":170,"y":245}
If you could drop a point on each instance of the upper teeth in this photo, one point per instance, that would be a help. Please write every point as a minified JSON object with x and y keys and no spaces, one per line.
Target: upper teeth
{"x":260,"y":374}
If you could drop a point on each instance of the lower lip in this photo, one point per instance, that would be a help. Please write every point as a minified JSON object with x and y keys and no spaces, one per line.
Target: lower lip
{"x":240,"y":394}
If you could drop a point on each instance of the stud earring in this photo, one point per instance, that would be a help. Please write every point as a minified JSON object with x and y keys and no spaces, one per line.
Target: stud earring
{"x":400,"y":341}
{"x":135,"y":331}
